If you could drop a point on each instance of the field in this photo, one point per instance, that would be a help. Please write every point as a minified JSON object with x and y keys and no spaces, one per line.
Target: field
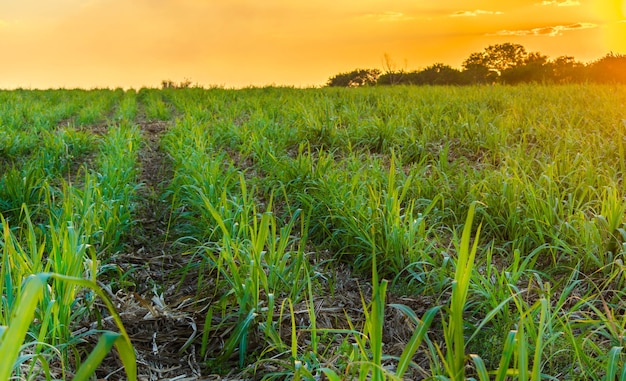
{"x":279,"y":233}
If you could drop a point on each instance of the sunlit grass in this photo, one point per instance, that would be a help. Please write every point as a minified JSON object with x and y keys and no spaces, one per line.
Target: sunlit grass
{"x":59,"y":217}
{"x":391,"y":172}
{"x":504,"y":206}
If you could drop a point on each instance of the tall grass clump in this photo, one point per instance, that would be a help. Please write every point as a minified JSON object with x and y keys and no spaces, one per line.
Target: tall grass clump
{"x":60,"y":229}
{"x":382,"y":220}
{"x":200,"y":172}
{"x":22,"y":187}
{"x":127,"y":108}
{"x":61,"y":150}
{"x":258,"y":265}
{"x":16,"y":144}
{"x":28,"y":179}
{"x":154,"y":105}
{"x":256,"y":258}
{"x":97,"y":106}
{"x":116,"y":182}
{"x":43,"y":313}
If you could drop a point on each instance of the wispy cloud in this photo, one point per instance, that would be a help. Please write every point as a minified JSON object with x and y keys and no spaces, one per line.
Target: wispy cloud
{"x":477,"y":12}
{"x":388,"y":16}
{"x":550,"y":31}
{"x":562,"y":3}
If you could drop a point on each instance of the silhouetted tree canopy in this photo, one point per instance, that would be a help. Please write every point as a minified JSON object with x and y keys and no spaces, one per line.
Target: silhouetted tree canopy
{"x":610,"y":68}
{"x":533,"y":68}
{"x":475,"y":70}
{"x":487,"y":66}
{"x":566,"y":69}
{"x":501,"y":57}
{"x":439,"y":74}
{"x":355,"y":78}
{"x":506,"y":63}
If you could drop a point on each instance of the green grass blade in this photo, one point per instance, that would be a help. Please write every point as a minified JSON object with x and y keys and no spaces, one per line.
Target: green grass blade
{"x":494,"y":312}
{"x":536,"y":371}
{"x":522,"y":353}
{"x":613,"y":363}
{"x":415,"y":341}
{"x":205,"y":332}
{"x":376,"y":328}
{"x":460,"y":287}
{"x":126,"y":352}
{"x":507,"y":354}
{"x":88,"y":368}
{"x":481,"y":369}
{"x":294,"y":336}
{"x":330,"y":374}
{"x":13,"y":337}
{"x":128,"y":356}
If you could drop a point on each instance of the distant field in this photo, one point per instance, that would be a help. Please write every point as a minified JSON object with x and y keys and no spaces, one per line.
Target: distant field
{"x":278,"y":233}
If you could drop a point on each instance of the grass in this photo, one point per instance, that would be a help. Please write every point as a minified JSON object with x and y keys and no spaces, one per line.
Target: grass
{"x":50,"y":305}
{"x":60,"y":218}
{"x":500,"y":208}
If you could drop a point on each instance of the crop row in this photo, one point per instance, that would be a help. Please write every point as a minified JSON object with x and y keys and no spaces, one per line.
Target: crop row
{"x":66,"y":197}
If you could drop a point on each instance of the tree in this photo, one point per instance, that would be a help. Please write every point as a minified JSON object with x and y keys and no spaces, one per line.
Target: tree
{"x":476,"y":69}
{"x":566,"y":69}
{"x":355,"y":78}
{"x":488,"y":65}
{"x":506,"y":63}
{"x":440,"y":74}
{"x":505,"y":56}
{"x":610,"y":68}
{"x":391,"y":76}
{"x":534,"y":68}
{"x":400,"y":78}
{"x":437,"y":74}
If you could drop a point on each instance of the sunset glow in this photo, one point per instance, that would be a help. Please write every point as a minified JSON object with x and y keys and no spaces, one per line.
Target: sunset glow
{"x":235,"y":43}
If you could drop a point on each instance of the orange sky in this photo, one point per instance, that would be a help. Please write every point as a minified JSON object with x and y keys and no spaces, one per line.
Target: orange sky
{"x":234,"y":43}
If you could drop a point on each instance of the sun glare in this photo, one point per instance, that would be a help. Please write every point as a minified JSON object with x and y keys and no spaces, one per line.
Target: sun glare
{"x":610,"y":11}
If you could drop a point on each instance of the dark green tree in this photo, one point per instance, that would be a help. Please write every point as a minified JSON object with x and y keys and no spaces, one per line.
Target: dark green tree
{"x":501,"y":57}
{"x":609,"y":69}
{"x":488,"y":65}
{"x":506,"y":63}
{"x":534,"y":68}
{"x":399,"y":77}
{"x":440,"y":74}
{"x":392,"y":76}
{"x":355,"y":78}
{"x":476,"y":69}
{"x":565,"y":69}
{"x":437,"y":74}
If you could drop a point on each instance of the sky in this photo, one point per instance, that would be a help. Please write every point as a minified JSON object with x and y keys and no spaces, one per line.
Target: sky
{"x":239,"y":43}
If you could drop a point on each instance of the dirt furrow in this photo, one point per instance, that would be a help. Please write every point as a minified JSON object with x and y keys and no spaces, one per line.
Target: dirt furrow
{"x":157,"y":312}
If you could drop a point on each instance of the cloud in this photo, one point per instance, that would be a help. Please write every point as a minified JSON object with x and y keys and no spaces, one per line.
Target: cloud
{"x":562,"y":3}
{"x":388,"y":16}
{"x":477,"y":12}
{"x":550,"y":31}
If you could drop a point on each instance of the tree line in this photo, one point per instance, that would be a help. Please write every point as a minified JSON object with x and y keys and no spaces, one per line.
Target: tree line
{"x":506,"y":63}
